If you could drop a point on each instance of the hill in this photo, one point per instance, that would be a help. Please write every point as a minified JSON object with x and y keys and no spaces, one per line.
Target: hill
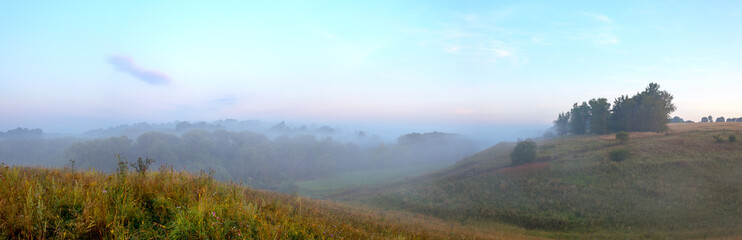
{"x":42,"y":203}
{"x":679,"y":184}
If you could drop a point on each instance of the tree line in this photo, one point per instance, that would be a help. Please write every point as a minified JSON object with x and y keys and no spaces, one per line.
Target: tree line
{"x":646,"y":111}
{"x":267,"y":163}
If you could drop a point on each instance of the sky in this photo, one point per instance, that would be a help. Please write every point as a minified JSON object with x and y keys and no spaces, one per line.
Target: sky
{"x":70,"y":66}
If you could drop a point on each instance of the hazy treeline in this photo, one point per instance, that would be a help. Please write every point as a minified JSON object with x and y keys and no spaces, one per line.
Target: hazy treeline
{"x":646,"y":111}
{"x":720,"y":119}
{"x":262,"y":162}
{"x":360,"y":138}
{"x":22,"y":133}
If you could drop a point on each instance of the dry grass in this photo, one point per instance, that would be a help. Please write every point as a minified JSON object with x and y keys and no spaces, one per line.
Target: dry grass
{"x":40,"y":203}
{"x":676,"y":185}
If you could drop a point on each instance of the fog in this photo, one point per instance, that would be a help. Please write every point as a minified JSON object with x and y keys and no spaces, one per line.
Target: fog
{"x":271,"y":155}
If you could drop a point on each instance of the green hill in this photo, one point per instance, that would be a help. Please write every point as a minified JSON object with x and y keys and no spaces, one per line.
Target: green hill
{"x":41,"y":203}
{"x":679,"y":184}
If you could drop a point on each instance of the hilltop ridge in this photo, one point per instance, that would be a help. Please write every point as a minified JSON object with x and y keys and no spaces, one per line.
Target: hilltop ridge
{"x":679,"y":184}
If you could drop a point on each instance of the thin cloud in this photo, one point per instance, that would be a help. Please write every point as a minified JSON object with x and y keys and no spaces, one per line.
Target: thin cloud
{"x":225,"y":100}
{"x":125,"y":64}
{"x":599,"y":17}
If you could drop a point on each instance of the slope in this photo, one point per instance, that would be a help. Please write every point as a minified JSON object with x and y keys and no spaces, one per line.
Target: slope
{"x":41,"y":203}
{"x":677,"y":184}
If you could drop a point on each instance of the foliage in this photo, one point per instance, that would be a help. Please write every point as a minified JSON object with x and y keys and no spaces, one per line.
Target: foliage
{"x":677,"y":186}
{"x":599,"y":115}
{"x":40,"y":203}
{"x":618,"y":155}
{"x":524,"y":152}
{"x":562,"y":124}
{"x":622,"y":137}
{"x":732,"y":138}
{"x":266,"y":163}
{"x":579,"y":118}
{"x":718,"y":138}
{"x":141,"y":166}
{"x":646,"y":111}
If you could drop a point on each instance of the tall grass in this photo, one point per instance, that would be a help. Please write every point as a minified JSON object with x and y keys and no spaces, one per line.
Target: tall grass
{"x":41,"y":203}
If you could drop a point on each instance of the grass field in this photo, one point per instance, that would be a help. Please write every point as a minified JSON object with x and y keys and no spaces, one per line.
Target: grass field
{"x":679,"y":184}
{"x":674,"y":185}
{"x":41,"y":203}
{"x":321,"y":188}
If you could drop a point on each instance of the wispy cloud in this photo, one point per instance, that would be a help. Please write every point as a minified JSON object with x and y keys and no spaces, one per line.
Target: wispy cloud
{"x":125,"y":64}
{"x":224,"y":100}
{"x":599,"y":17}
{"x":599,"y":35}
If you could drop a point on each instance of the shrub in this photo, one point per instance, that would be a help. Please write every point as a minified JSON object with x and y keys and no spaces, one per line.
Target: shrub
{"x":142,"y":165}
{"x":622,"y":137}
{"x":619,"y":154}
{"x":732,"y":138}
{"x":718,"y":138}
{"x":524,"y":152}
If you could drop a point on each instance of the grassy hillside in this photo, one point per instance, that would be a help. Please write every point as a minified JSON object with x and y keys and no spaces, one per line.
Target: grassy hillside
{"x":40,"y":203}
{"x":682,"y":184}
{"x":320,"y":188}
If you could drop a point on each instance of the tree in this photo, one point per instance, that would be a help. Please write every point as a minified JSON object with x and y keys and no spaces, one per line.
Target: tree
{"x":655,"y":107}
{"x":599,"y":115}
{"x":720,"y":119}
{"x":562,"y":124}
{"x":711,"y":119}
{"x":524,"y":152}
{"x":646,"y":111}
{"x":704,"y":119}
{"x":579,"y":118}
{"x":622,"y":113}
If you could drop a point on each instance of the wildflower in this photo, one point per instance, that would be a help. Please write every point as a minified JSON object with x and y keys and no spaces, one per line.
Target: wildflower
{"x":104,"y":191}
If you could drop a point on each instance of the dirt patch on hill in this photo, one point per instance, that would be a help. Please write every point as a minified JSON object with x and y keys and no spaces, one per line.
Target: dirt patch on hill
{"x":523,"y":168}
{"x":686,"y":127}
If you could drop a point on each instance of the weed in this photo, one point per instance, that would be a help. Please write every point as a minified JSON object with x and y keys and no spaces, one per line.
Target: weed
{"x":72,"y":164}
{"x":618,"y":155}
{"x":122,"y":166}
{"x":40,"y":203}
{"x":141,"y":166}
{"x":622,"y":137}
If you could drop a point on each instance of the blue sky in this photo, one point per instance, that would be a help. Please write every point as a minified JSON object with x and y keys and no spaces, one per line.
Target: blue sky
{"x":90,"y":64}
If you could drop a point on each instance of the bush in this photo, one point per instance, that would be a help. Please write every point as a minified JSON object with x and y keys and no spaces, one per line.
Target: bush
{"x":622,"y":137}
{"x":718,"y":138}
{"x":618,"y":155}
{"x":141,"y":166}
{"x":732,"y":138}
{"x":524,"y":152}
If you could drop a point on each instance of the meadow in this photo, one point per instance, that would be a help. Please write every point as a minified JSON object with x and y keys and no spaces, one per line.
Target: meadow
{"x":678,"y":184}
{"x":323,"y":187}
{"x":44,"y":203}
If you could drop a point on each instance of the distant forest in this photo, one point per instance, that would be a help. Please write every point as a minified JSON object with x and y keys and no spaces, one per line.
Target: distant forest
{"x":250,"y":157}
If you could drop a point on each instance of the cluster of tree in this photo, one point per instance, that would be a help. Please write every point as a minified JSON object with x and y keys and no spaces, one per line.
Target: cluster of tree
{"x":22,"y":132}
{"x":646,"y":111}
{"x":271,"y":130}
{"x":677,"y":119}
{"x":720,"y":119}
{"x":259,"y":161}
{"x":34,"y":151}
